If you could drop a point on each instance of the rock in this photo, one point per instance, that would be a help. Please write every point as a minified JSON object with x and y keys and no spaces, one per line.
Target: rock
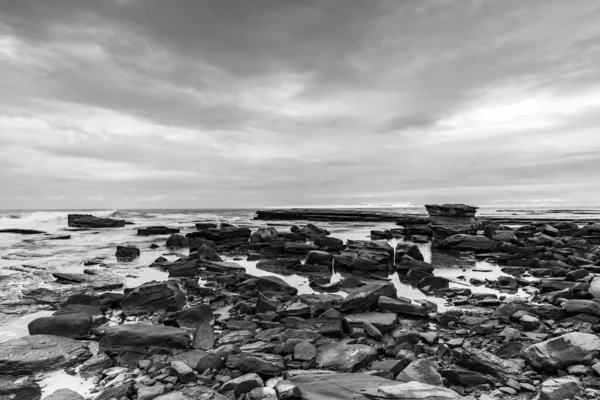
{"x":182,"y":371}
{"x":120,"y":391}
{"x":64,"y":394}
{"x":153,"y":296}
{"x":329,"y":243}
{"x":31,"y":354}
{"x":96,"y":280}
{"x":467,"y":378}
{"x":243,"y":384}
{"x":582,"y":307}
{"x":89,"y":221}
{"x":222,"y":234}
{"x":156,"y":230}
{"x":264,"y":234}
{"x":366,"y":255}
{"x":299,"y":248}
{"x":414,"y":391}
{"x":372,"y":331}
{"x":177,"y":241}
{"x":70,"y":325}
{"x":139,"y":337}
{"x":319,"y":257}
{"x":345,"y":358}
{"x":216,"y":359}
{"x":150,"y":393}
{"x":505,"y":236}
{"x":174,"y":396}
{"x":560,"y":389}
{"x":529,"y":322}
{"x":311,"y":231}
{"x":562,"y":351}
{"x":261,"y":363}
{"x":411,"y":250}
{"x":406,"y":263}
{"x":183,"y":269}
{"x":205,"y":225}
{"x":395,"y":306}
{"x":451,"y":219}
{"x":127,"y":252}
{"x":15,"y":388}
{"x":194,"y":316}
{"x":287,"y":391}
{"x":22,"y":231}
{"x":365,"y":298}
{"x":204,"y":337}
{"x":96,"y":364}
{"x":484,"y":362}
{"x":423,"y":370}
{"x":383,"y":322}
{"x":274,"y":284}
{"x":305,"y":351}
{"x":468,"y":242}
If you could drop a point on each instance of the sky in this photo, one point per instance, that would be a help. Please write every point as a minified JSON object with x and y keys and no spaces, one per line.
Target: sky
{"x":278,"y":103}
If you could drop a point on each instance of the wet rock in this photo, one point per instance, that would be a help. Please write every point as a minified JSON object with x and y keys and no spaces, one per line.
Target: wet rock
{"x":468,"y":242}
{"x":64,"y":394}
{"x":153,"y":296}
{"x":14,"y":388}
{"x":407,"y":263}
{"x":560,"y":389}
{"x":365,"y":298}
{"x":79,"y":309}
{"x":451,"y":219}
{"x":311,"y":231}
{"x":156,"y":230}
{"x":410,"y":250}
{"x":274,"y":284}
{"x":344,"y":358}
{"x":560,"y":352}
{"x":243,"y":384}
{"x":264,"y":234}
{"x":22,"y":231}
{"x":177,"y":241}
{"x":204,"y":337}
{"x":299,"y":248}
{"x":261,"y":363}
{"x":140,"y":337}
{"x":319,"y":257}
{"x":396,"y":306}
{"x":182,"y":269}
{"x":37,"y":353}
{"x":90,"y":221}
{"x":205,"y":225}
{"x":424,"y":371}
{"x":95,"y":365}
{"x":70,"y":325}
{"x":366,"y":255}
{"x":224,"y":233}
{"x":329,"y":243}
{"x":127,"y":252}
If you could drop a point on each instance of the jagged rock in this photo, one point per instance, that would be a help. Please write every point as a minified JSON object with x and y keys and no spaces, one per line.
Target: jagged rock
{"x":396,"y":306}
{"x":31,"y":354}
{"x":64,"y":394}
{"x":127,"y":252}
{"x":89,"y":221}
{"x":411,"y":250}
{"x":178,"y":241}
{"x":345,"y":358}
{"x":182,"y":371}
{"x":70,"y":325}
{"x":384,"y":322}
{"x":365,"y":298}
{"x":243,"y":384}
{"x":366,"y":255}
{"x":311,"y":231}
{"x":560,"y":352}
{"x":204,"y":336}
{"x":287,"y":391}
{"x":261,"y":363}
{"x":484,"y":362}
{"x":560,"y":389}
{"x":262,"y":235}
{"x":216,"y":358}
{"x":140,"y":337}
{"x":96,"y":364}
{"x":15,"y":388}
{"x":468,"y":242}
{"x":153,"y":296}
{"x":156,"y":230}
{"x":274,"y":284}
{"x":423,"y":370}
{"x":194,"y":316}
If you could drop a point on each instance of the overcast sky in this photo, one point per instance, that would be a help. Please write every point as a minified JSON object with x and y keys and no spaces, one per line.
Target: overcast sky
{"x":259,"y":103}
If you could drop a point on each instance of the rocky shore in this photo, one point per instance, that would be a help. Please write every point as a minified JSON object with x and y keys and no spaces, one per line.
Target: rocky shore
{"x":212,"y":331}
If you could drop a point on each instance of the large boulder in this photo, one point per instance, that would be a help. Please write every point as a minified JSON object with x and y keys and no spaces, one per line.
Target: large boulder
{"x":451,"y":219}
{"x":177,"y":241}
{"x":32,"y":354}
{"x":69,"y":325}
{"x":562,"y":351}
{"x":365,"y":298}
{"x":344,"y":358}
{"x":560,"y":389}
{"x":140,"y":337}
{"x":468,"y":242}
{"x":329,"y":243}
{"x":319,"y":257}
{"x":127,"y":252}
{"x":156,"y":230}
{"x":366,"y":255}
{"x":90,"y":221}
{"x":153,"y":296}
{"x":311,"y":231}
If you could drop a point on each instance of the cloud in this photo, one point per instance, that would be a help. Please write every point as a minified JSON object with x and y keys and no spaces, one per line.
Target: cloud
{"x":225,"y":103}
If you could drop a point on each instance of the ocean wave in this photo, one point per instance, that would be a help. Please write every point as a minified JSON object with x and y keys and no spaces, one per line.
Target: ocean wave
{"x":48,"y":221}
